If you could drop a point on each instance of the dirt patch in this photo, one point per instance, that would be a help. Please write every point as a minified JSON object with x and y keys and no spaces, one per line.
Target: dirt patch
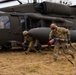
{"x":18,"y":63}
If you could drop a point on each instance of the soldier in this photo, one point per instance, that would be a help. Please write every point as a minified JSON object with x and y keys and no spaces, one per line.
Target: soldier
{"x":60,"y":35}
{"x":30,"y":43}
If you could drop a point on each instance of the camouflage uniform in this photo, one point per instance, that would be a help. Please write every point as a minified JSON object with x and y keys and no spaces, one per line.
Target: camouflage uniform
{"x":60,"y":33}
{"x":31,"y":42}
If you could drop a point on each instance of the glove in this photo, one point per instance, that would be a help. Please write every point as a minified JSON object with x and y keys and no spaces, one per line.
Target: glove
{"x":51,"y":41}
{"x":22,"y":44}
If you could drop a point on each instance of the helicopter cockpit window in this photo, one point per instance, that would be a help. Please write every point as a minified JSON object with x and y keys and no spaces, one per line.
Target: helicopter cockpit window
{"x":4,"y":22}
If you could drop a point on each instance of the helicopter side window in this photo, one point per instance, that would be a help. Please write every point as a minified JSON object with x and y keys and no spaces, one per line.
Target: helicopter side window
{"x":22,"y":22}
{"x":4,"y":22}
{"x":29,"y":26}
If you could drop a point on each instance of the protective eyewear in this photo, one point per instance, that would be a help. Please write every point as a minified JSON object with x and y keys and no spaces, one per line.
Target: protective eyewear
{"x":52,"y":28}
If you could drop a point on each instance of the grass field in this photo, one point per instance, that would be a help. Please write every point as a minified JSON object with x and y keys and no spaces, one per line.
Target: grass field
{"x":18,"y":63}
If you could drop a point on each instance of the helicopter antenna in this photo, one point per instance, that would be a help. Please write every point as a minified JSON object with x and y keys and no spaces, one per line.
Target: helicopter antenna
{"x":19,"y":1}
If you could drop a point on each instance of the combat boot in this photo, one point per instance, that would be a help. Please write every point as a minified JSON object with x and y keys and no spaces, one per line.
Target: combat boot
{"x":26,"y":52}
{"x":55,"y":57}
{"x":72,"y":55}
{"x":39,"y":51}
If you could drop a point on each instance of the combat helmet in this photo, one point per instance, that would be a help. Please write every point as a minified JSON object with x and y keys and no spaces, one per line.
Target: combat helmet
{"x":25,"y":32}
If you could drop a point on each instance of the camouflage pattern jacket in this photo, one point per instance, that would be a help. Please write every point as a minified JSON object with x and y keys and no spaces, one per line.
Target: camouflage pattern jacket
{"x":61,"y":32}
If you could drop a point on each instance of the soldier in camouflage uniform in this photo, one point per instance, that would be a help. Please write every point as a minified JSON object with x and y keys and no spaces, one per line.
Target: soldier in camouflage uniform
{"x":30,"y":43}
{"x":63,"y":36}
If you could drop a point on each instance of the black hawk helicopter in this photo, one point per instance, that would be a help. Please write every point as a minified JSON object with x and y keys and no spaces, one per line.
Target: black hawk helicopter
{"x":35,"y":17}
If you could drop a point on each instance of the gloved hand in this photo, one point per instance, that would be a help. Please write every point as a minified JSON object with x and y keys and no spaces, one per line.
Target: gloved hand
{"x":51,"y":41}
{"x":22,"y":44}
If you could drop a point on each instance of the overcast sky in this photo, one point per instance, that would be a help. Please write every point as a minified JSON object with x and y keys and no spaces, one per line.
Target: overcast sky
{"x":25,"y":1}
{"x":73,"y":2}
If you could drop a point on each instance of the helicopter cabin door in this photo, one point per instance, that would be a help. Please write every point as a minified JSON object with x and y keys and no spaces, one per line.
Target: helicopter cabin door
{"x":4,"y":28}
{"x":17,"y":27}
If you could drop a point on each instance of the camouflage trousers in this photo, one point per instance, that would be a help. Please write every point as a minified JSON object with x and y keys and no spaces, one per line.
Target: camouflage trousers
{"x":31,"y":47}
{"x":64,"y":49}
